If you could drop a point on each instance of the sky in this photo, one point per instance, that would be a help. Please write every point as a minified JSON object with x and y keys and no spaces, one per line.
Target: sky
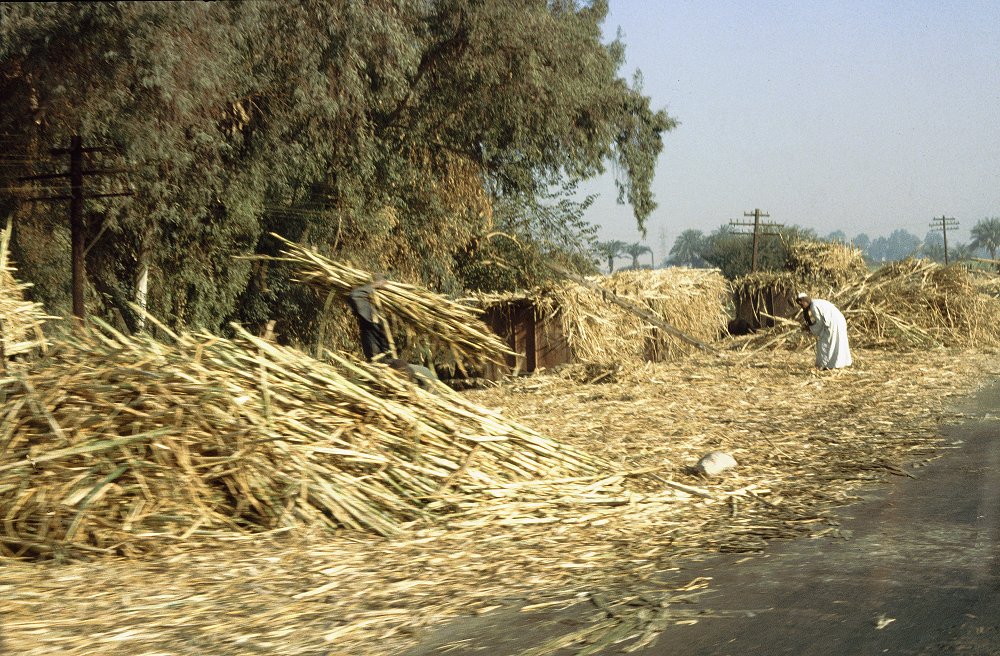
{"x":860,"y":116}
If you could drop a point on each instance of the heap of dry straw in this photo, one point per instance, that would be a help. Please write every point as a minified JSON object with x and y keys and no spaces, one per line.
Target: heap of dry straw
{"x":690,"y":300}
{"x":441,"y":325}
{"x":125,"y":444}
{"x":912,"y":304}
{"x":919,"y":303}
{"x":20,"y":320}
{"x":598,"y":331}
{"x":828,"y":264}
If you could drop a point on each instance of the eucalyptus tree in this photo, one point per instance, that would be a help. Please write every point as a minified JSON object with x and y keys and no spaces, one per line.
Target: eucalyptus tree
{"x":412,"y":138}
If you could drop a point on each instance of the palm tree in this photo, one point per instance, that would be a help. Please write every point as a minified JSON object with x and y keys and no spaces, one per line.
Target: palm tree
{"x":986,"y":234}
{"x":610,"y":250}
{"x":635,"y":250}
{"x":688,"y":247}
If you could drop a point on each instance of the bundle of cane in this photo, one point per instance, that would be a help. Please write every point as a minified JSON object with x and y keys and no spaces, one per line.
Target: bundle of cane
{"x":439,"y":324}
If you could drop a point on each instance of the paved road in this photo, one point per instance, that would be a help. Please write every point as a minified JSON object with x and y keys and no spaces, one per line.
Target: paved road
{"x":919,"y":575}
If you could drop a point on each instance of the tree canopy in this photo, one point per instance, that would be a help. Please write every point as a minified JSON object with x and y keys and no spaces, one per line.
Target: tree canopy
{"x":421,"y":139}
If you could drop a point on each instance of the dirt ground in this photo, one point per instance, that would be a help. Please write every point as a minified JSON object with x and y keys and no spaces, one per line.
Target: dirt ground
{"x":807,"y":443}
{"x":913,"y":570}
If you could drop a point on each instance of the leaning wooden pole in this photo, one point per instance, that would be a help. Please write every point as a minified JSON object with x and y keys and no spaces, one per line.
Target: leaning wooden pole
{"x":643,"y":313}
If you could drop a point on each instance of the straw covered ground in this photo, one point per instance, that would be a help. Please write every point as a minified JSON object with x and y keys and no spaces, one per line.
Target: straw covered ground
{"x":805,"y":441}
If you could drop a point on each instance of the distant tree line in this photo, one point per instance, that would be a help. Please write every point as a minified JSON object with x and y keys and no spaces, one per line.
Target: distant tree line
{"x":732,"y":253}
{"x":439,"y":142}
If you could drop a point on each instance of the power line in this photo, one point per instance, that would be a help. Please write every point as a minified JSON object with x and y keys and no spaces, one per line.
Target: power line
{"x":77,"y":222}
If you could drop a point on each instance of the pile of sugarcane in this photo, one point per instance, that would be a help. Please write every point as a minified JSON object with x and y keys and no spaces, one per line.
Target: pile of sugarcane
{"x":126,"y":444}
{"x":598,"y":331}
{"x":824,"y":263}
{"x":919,"y":303}
{"x":910,"y":304}
{"x":440,"y":325}
{"x":20,"y":320}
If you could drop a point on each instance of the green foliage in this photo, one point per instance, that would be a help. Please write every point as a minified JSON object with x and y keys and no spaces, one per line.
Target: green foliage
{"x":420,"y":139}
{"x":529,"y":233}
{"x":634,"y":250}
{"x":609,"y":250}
{"x":897,"y":246}
{"x":732,"y":252}
{"x":688,"y":248}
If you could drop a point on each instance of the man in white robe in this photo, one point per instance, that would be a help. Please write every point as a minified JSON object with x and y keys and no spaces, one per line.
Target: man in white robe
{"x":824,"y":320}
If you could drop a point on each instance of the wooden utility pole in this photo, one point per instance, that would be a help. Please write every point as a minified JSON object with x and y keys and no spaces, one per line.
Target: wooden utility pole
{"x":944,"y":224}
{"x":77,"y":226}
{"x":759,"y":230}
{"x":77,"y":221}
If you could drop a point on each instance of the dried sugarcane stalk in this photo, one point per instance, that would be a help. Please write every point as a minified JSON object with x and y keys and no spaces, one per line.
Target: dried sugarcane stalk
{"x":635,"y":309}
{"x":444,"y":324}
{"x":115,"y":440}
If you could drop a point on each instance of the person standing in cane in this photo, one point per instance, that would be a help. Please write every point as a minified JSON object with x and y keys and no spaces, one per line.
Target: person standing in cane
{"x":375,"y":339}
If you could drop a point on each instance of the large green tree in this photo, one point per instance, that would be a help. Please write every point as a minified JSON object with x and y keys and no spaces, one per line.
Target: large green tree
{"x":732,"y":252}
{"x":408,"y":137}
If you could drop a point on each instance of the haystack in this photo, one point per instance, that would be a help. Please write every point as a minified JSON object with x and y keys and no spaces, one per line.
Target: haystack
{"x":919,"y":303}
{"x":125,"y":444}
{"x":691,"y":300}
{"x":824,"y":264}
{"x":20,"y":320}
{"x":912,"y":304}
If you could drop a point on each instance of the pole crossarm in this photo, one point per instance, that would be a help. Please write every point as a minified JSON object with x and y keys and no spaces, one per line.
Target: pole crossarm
{"x":759,"y":230}
{"x":944,"y":224}
{"x":77,"y":219}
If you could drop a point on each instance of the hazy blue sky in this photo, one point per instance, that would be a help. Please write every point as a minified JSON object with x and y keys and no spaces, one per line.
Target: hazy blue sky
{"x":863,"y":116}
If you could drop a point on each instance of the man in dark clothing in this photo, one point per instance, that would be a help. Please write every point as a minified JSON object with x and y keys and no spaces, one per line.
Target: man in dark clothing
{"x":375,"y":341}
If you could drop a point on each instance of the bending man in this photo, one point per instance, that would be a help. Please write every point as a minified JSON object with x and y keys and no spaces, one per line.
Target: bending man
{"x":823,"y":319}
